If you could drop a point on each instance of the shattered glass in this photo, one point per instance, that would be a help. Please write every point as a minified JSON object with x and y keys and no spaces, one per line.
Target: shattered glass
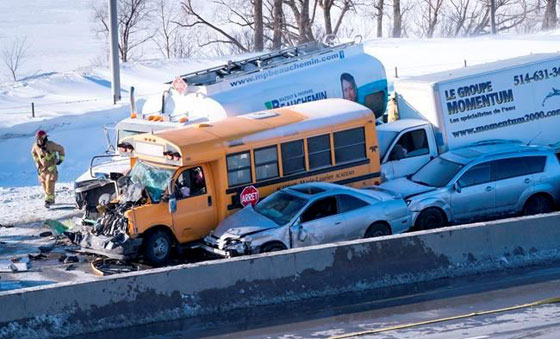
{"x":153,"y":179}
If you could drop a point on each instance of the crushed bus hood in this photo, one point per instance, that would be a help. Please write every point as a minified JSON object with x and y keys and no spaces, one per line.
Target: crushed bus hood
{"x":108,"y":235}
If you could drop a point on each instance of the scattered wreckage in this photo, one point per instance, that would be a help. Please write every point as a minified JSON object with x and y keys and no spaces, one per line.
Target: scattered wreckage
{"x":108,"y":235}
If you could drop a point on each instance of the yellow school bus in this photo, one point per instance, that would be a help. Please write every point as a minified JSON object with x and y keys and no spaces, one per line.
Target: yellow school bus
{"x":196,"y":176}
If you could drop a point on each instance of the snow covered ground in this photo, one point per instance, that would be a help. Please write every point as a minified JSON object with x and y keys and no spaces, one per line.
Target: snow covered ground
{"x":73,"y":98}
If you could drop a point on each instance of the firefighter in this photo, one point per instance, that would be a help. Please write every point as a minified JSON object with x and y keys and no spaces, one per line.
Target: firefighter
{"x":47,"y":155}
{"x":392,"y":108}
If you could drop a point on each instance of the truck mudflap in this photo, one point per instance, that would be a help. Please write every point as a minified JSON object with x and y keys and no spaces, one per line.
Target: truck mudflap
{"x":118,"y":247}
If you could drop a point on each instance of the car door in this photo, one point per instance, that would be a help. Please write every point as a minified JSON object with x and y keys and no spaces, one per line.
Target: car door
{"x":196,"y":212}
{"x":514,"y":178}
{"x":409,"y":152}
{"x":319,"y":223}
{"x":474,"y":195}
{"x":356,"y":217}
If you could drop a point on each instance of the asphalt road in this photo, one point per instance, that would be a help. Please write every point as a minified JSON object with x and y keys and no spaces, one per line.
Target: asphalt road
{"x":353,"y":313}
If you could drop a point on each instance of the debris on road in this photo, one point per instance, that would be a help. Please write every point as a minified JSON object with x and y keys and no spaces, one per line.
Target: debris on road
{"x":57,"y":227}
{"x":7,"y":266}
{"x":36,"y":256}
{"x":104,"y":266}
{"x":71,"y":259}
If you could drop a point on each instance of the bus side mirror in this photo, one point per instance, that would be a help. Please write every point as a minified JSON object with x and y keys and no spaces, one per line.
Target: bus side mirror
{"x":172,"y":203}
{"x":172,"y":200}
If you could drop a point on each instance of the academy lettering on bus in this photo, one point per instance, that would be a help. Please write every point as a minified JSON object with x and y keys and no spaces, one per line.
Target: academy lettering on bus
{"x":214,"y":169}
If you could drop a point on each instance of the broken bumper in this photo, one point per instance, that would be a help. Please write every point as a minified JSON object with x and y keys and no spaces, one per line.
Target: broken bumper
{"x":108,"y":246}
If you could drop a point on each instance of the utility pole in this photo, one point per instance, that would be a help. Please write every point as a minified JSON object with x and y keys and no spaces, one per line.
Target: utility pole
{"x":493,"y":16}
{"x":115,"y":68}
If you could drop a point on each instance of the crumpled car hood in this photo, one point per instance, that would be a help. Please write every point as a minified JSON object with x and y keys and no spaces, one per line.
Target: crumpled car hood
{"x":242,"y":223}
{"x":405,"y":187}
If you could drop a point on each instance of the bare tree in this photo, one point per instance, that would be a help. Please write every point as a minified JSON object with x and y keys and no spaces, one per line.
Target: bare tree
{"x":493,"y":16}
{"x":550,"y":17}
{"x":379,"y":10}
{"x":236,"y":16}
{"x":326,"y":6}
{"x":169,"y":38}
{"x":277,"y":23}
{"x":430,"y":16}
{"x":397,"y":19}
{"x":259,"y":26}
{"x":304,"y":19}
{"x":473,"y":17}
{"x":133,"y":21}
{"x":14,"y":54}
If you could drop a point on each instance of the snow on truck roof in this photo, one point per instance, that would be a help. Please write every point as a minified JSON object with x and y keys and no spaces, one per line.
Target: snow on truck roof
{"x":263,"y":125}
{"x":476,"y":70}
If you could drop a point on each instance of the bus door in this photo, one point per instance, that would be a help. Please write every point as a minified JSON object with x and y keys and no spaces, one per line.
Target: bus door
{"x":196,"y":212}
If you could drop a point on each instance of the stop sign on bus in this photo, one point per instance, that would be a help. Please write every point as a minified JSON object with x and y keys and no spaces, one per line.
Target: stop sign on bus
{"x":249,"y":195}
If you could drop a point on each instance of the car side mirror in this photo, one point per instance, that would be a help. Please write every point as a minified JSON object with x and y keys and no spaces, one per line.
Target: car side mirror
{"x":301,"y":232}
{"x":457,"y":187}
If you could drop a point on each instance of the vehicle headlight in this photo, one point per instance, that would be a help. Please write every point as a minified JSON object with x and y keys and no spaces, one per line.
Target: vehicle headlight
{"x":235,"y":246}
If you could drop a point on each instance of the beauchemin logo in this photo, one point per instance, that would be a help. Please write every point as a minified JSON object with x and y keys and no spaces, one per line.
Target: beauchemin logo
{"x":300,"y":98}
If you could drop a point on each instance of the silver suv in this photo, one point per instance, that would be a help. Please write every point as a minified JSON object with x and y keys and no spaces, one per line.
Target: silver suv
{"x":483,"y":181}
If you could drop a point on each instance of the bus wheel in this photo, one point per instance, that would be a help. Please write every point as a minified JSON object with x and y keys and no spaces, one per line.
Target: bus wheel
{"x":157,"y":247}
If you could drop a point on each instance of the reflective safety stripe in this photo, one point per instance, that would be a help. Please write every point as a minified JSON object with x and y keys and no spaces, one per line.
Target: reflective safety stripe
{"x":50,"y":156}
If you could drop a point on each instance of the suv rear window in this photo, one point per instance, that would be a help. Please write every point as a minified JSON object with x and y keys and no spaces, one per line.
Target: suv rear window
{"x":535,"y":164}
{"x":519,"y":166}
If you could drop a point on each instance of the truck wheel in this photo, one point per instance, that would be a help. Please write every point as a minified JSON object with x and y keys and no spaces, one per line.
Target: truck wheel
{"x":272,"y":247}
{"x":538,"y":204}
{"x":430,"y":218}
{"x":157,"y":247}
{"x":377,"y":229}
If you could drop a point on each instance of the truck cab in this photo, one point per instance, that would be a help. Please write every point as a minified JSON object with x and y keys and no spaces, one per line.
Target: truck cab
{"x":405,"y":146}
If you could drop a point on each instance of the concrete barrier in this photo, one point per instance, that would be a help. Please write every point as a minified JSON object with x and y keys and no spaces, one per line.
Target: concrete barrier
{"x":215,"y":287}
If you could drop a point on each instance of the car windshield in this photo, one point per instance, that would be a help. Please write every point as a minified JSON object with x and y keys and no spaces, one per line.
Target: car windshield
{"x":436,"y":173}
{"x":153,"y":178}
{"x":385,"y":139}
{"x":280,"y":207}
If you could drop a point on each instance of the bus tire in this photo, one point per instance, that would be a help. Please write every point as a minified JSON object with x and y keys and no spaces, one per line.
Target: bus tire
{"x":157,"y":247}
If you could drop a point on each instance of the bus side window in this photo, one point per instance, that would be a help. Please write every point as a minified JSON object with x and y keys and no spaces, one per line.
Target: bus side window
{"x":376,"y":102}
{"x":239,"y":168}
{"x":349,"y":145}
{"x":266,"y":163}
{"x":319,"y":149}
{"x":293,"y":157}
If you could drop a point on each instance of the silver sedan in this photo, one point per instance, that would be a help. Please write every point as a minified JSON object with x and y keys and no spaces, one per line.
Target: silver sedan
{"x":309,"y":214}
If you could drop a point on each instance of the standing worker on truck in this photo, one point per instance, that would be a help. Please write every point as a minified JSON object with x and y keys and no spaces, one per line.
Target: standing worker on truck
{"x":47,"y":155}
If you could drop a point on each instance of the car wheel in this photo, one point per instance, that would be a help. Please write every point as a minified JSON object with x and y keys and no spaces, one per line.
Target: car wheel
{"x":377,"y":229}
{"x":272,"y":247}
{"x":430,"y":218}
{"x":157,"y":247}
{"x":538,"y":204}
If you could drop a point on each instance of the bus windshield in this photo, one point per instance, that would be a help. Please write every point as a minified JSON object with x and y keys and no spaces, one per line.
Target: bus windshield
{"x":153,"y":178}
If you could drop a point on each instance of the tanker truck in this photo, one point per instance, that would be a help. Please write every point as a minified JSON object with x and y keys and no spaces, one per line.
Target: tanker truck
{"x":290,"y":76}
